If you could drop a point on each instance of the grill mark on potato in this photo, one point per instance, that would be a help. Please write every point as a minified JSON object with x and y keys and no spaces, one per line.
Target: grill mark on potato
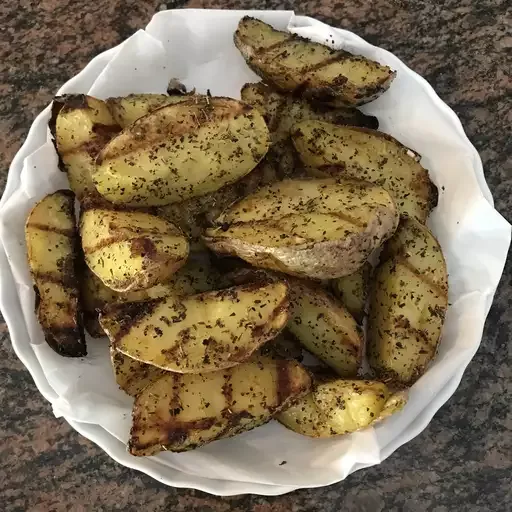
{"x":337,"y":57}
{"x":141,"y":138}
{"x":402,"y":260}
{"x":283,"y":383}
{"x":69,"y":232}
{"x":264,"y":49}
{"x":127,"y":316}
{"x":260,"y":330}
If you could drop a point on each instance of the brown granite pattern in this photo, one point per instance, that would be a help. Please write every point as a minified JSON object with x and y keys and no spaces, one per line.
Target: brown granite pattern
{"x":463,"y":461}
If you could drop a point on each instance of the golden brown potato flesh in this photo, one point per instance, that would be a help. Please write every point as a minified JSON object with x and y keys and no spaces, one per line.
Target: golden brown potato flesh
{"x":181,"y":151}
{"x":352,"y":290}
{"x":127,"y":109}
{"x":199,"y":333}
{"x":408,"y":303}
{"x":131,"y":250}
{"x":337,"y":407}
{"x":370,"y":155}
{"x":132,"y":376}
{"x":318,"y":228}
{"x":282,"y":111}
{"x":317,"y":72}
{"x":81,"y":126}
{"x":325,"y":328}
{"x":53,"y":251}
{"x":182,"y":412}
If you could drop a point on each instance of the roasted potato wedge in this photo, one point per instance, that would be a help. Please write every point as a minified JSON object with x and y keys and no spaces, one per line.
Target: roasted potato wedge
{"x":132,"y":376}
{"x":130,"y":250}
{"x":127,"y":109}
{"x":196,"y":276}
{"x":352,"y":290}
{"x":282,"y":111}
{"x":337,"y":407}
{"x":359,"y":153}
{"x":53,"y":249}
{"x":181,"y":412}
{"x":318,"y":228}
{"x":181,"y":151}
{"x":408,"y":303}
{"x":200,"y":333}
{"x":81,"y":125}
{"x":317,"y":72}
{"x":325,"y":328}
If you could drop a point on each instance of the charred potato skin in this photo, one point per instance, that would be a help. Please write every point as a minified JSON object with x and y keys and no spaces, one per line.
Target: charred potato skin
{"x":79,"y":168}
{"x":400,"y":173}
{"x":233,"y":401}
{"x":300,"y":256}
{"x":57,"y":302}
{"x":201,"y":333}
{"x":408,"y":303}
{"x":263,"y":59}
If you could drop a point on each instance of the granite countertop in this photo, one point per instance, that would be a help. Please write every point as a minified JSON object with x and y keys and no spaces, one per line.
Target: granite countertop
{"x":463,"y":460}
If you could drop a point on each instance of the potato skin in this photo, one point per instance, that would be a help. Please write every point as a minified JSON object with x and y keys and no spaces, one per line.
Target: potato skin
{"x":337,"y":407}
{"x":408,"y":302}
{"x":317,"y":72}
{"x":199,"y":333}
{"x":54,"y":260}
{"x":181,"y":151}
{"x":81,"y":125}
{"x":182,"y":412}
{"x":130,"y":250}
{"x":360,"y":153}
{"x":316,"y":228}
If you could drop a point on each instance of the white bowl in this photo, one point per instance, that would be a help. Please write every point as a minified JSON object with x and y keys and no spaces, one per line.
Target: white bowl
{"x":196,"y":46}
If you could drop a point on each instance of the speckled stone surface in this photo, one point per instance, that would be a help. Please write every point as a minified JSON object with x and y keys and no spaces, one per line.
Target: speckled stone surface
{"x":463,"y":460}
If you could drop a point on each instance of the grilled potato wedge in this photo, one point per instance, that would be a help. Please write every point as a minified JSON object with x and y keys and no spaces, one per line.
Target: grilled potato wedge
{"x":352,"y":290}
{"x":325,"y":328}
{"x":200,"y":333}
{"x":337,"y":407}
{"x":282,"y":111}
{"x":81,"y":125}
{"x":132,"y":376}
{"x":181,"y":151}
{"x":130,"y":250}
{"x":359,"y":153}
{"x":408,"y":303}
{"x":196,"y":276}
{"x":53,"y":249}
{"x":182,"y":412}
{"x":317,"y":72}
{"x":318,"y":228}
{"x":127,"y":109}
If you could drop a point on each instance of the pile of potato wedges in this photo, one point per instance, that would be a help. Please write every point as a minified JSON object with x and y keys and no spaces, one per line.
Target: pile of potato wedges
{"x":245,"y":258}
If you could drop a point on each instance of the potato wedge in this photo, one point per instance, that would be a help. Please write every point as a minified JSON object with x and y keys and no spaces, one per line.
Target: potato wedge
{"x":132,"y":376}
{"x":359,"y":153}
{"x":200,"y":333}
{"x":53,"y":250}
{"x":181,"y":151}
{"x":81,"y":125}
{"x":127,"y":109}
{"x":130,"y":250}
{"x":196,"y":276}
{"x":337,"y":407}
{"x":408,"y":303}
{"x":325,"y":328}
{"x":317,"y":72}
{"x":352,"y":290}
{"x":182,"y":412}
{"x":318,"y":228}
{"x":282,"y":111}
